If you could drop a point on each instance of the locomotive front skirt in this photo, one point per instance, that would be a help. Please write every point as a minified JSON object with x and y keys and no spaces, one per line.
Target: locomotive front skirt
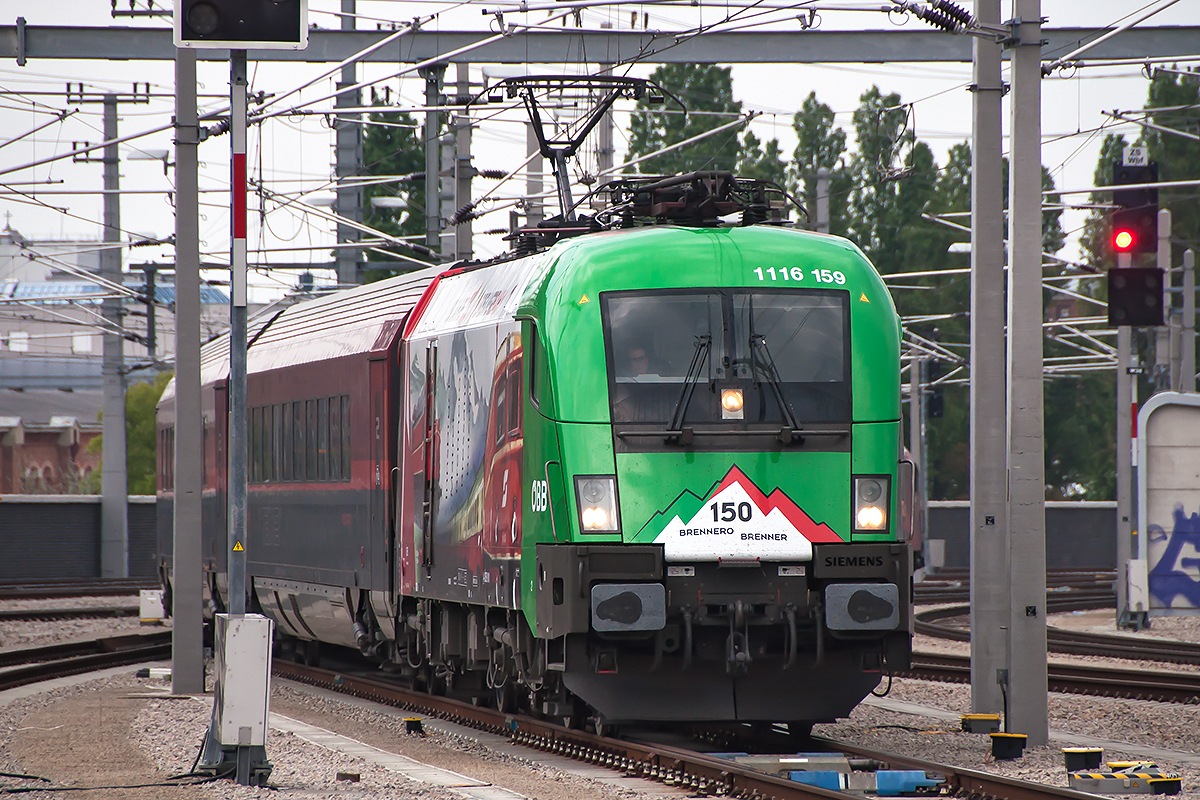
{"x":648,"y":474}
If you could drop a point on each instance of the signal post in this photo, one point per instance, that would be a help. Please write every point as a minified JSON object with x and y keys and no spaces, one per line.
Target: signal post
{"x":1135,"y":299}
{"x":236,"y":742}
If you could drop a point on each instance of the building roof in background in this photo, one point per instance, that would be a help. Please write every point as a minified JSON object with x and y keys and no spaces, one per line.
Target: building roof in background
{"x":40,"y":406}
{"x":64,"y":291}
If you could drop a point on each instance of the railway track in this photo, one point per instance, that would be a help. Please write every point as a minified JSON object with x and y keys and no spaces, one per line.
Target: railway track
{"x":954,"y":586}
{"x":697,"y":772}
{"x":1081,"y":643}
{"x":1169,"y":687}
{"x":91,"y":587}
{"x":52,"y":614}
{"x":23,"y":667}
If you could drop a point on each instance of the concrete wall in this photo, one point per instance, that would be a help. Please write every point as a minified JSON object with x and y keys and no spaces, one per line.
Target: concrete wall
{"x":1082,"y":535}
{"x":56,"y":537}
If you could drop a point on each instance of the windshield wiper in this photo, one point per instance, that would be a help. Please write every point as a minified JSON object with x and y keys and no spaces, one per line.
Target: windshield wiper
{"x":789,"y":433}
{"x":699,"y":358}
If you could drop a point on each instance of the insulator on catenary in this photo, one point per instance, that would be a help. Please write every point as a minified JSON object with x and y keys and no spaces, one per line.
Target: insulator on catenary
{"x":464,"y":214}
{"x":954,"y":11}
{"x":937,"y":19}
{"x":419,"y":249}
{"x":494,"y":174}
{"x":220,"y":128}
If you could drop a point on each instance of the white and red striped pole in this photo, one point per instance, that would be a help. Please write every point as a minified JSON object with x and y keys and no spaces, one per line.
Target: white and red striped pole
{"x":238,"y":434}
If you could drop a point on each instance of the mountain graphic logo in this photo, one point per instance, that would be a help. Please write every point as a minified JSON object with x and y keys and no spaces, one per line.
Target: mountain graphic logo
{"x":735,"y":519}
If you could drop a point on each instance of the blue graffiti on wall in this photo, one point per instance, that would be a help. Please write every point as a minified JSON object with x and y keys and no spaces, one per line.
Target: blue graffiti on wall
{"x":1174,"y":575}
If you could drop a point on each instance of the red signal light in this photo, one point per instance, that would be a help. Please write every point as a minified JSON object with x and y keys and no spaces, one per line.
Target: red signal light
{"x":1124,"y":240}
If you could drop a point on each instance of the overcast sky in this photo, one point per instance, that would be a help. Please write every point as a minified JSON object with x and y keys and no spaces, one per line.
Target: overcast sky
{"x":295,"y":154}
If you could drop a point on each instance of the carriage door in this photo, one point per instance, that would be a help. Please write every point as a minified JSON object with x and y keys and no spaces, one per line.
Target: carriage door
{"x":378,"y":549}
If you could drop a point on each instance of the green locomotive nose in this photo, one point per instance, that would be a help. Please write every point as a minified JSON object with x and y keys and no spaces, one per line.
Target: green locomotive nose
{"x":719,"y":442}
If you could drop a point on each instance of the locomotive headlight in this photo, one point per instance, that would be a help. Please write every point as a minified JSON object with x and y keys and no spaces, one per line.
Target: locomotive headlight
{"x":871,"y":501}
{"x":870,"y":517}
{"x":596,"y":497}
{"x":731,"y":403}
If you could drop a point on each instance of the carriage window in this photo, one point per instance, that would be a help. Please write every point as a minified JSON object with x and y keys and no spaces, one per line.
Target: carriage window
{"x":335,"y":438}
{"x":310,"y":451}
{"x":346,"y":437}
{"x":323,"y":439}
{"x":297,"y":441}
{"x":256,"y":444}
{"x":535,"y":385}
{"x":501,"y":410}
{"x":204,"y":448}
{"x":277,"y":441}
{"x":285,"y":412}
{"x":514,"y":408}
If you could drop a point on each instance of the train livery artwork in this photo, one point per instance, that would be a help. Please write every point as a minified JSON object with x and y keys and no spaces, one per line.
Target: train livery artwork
{"x":645,"y":470}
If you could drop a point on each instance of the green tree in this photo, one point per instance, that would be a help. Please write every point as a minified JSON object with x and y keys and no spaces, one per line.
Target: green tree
{"x":873,"y":222}
{"x":392,"y":145}
{"x":893,"y":212}
{"x":821,"y":145}
{"x":141,"y":400}
{"x":1178,"y":157}
{"x":762,"y":162}
{"x":702,"y":88}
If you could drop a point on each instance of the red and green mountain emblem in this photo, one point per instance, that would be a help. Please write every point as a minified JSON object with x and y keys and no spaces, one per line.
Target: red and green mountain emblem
{"x":736,"y":520}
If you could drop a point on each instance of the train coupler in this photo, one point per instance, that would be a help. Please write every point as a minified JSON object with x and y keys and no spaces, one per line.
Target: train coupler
{"x":737,"y":644}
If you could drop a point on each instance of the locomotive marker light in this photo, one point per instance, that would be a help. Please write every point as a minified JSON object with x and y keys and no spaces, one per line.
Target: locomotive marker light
{"x":871,"y":497}
{"x":732,"y":403}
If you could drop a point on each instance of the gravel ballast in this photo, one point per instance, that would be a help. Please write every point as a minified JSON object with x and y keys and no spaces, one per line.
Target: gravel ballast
{"x":81,"y":734}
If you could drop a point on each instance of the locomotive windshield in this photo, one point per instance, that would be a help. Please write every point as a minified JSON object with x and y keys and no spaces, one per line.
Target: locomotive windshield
{"x":728,"y":358}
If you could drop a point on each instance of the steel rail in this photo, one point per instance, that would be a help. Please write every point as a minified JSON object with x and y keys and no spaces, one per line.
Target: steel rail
{"x":1167,"y":687}
{"x":1062,"y":601}
{"x":87,"y":587}
{"x":48,"y":614}
{"x":673,"y":766}
{"x":697,"y":772}
{"x":1082,"y":643}
{"x":57,"y":661}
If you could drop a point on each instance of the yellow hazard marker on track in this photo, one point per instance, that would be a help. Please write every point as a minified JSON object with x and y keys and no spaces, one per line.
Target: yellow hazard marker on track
{"x":237,"y":547}
{"x":1126,"y":777}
